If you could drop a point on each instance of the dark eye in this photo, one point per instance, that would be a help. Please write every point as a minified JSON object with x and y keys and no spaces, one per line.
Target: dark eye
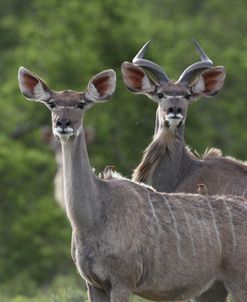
{"x":81,"y":105}
{"x":160,"y":95}
{"x":51,"y":105}
{"x":187,"y":96}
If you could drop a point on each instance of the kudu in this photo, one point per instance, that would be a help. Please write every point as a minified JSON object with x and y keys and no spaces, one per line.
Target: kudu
{"x":167,"y":164}
{"x":126,"y":237}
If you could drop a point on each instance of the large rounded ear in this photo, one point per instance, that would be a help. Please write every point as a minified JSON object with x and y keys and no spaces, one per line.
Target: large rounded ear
{"x":102,"y":86}
{"x":209,"y":82}
{"x":136,"y":79}
{"x":33,"y":87}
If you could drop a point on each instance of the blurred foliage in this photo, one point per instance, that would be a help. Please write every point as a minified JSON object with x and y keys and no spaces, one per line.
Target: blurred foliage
{"x":62,"y":289}
{"x":66,"y":42}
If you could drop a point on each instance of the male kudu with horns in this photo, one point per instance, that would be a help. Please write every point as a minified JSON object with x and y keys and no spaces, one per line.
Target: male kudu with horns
{"x":167,"y":164}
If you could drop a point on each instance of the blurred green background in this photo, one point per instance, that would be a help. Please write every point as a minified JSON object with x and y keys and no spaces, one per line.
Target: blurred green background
{"x":66,"y":42}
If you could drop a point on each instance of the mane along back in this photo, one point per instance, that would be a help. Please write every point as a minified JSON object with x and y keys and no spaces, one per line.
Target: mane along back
{"x":242,"y":165}
{"x":211,"y":153}
{"x":214,"y":153}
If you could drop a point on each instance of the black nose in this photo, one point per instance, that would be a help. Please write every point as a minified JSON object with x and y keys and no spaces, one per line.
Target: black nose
{"x":63,"y":123}
{"x":174,"y":110}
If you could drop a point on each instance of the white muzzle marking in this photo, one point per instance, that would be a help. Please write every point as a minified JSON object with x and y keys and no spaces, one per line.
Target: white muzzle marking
{"x":174,"y":120}
{"x":63,"y":133}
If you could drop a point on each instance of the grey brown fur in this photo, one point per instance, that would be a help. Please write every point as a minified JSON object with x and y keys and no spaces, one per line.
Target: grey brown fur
{"x":126,"y":237}
{"x":202,"y":189}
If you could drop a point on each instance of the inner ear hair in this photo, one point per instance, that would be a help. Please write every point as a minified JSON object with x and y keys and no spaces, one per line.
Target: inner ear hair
{"x":101,"y":84}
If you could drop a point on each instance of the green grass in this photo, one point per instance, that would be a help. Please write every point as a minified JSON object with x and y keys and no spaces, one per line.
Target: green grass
{"x":62,"y":289}
{"x":63,"y":295}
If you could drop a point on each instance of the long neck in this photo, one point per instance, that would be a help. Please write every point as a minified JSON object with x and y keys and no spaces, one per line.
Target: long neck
{"x":176,"y":160}
{"x":172,"y":165}
{"x":165,"y":160}
{"x":80,"y":184}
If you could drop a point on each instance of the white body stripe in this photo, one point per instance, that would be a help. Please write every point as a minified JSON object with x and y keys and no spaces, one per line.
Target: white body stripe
{"x":215,"y":226}
{"x":152,"y":207}
{"x":175,"y":227}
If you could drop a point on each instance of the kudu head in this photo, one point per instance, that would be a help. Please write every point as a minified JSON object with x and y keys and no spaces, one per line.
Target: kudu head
{"x":67,"y":106}
{"x":173,"y":97}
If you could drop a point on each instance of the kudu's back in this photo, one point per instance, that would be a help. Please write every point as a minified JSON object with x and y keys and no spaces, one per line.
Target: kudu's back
{"x":221,"y":175}
{"x":175,"y":245}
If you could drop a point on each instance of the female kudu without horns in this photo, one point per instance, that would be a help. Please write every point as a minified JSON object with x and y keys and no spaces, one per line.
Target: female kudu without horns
{"x":126,"y":237}
{"x":167,"y":164}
